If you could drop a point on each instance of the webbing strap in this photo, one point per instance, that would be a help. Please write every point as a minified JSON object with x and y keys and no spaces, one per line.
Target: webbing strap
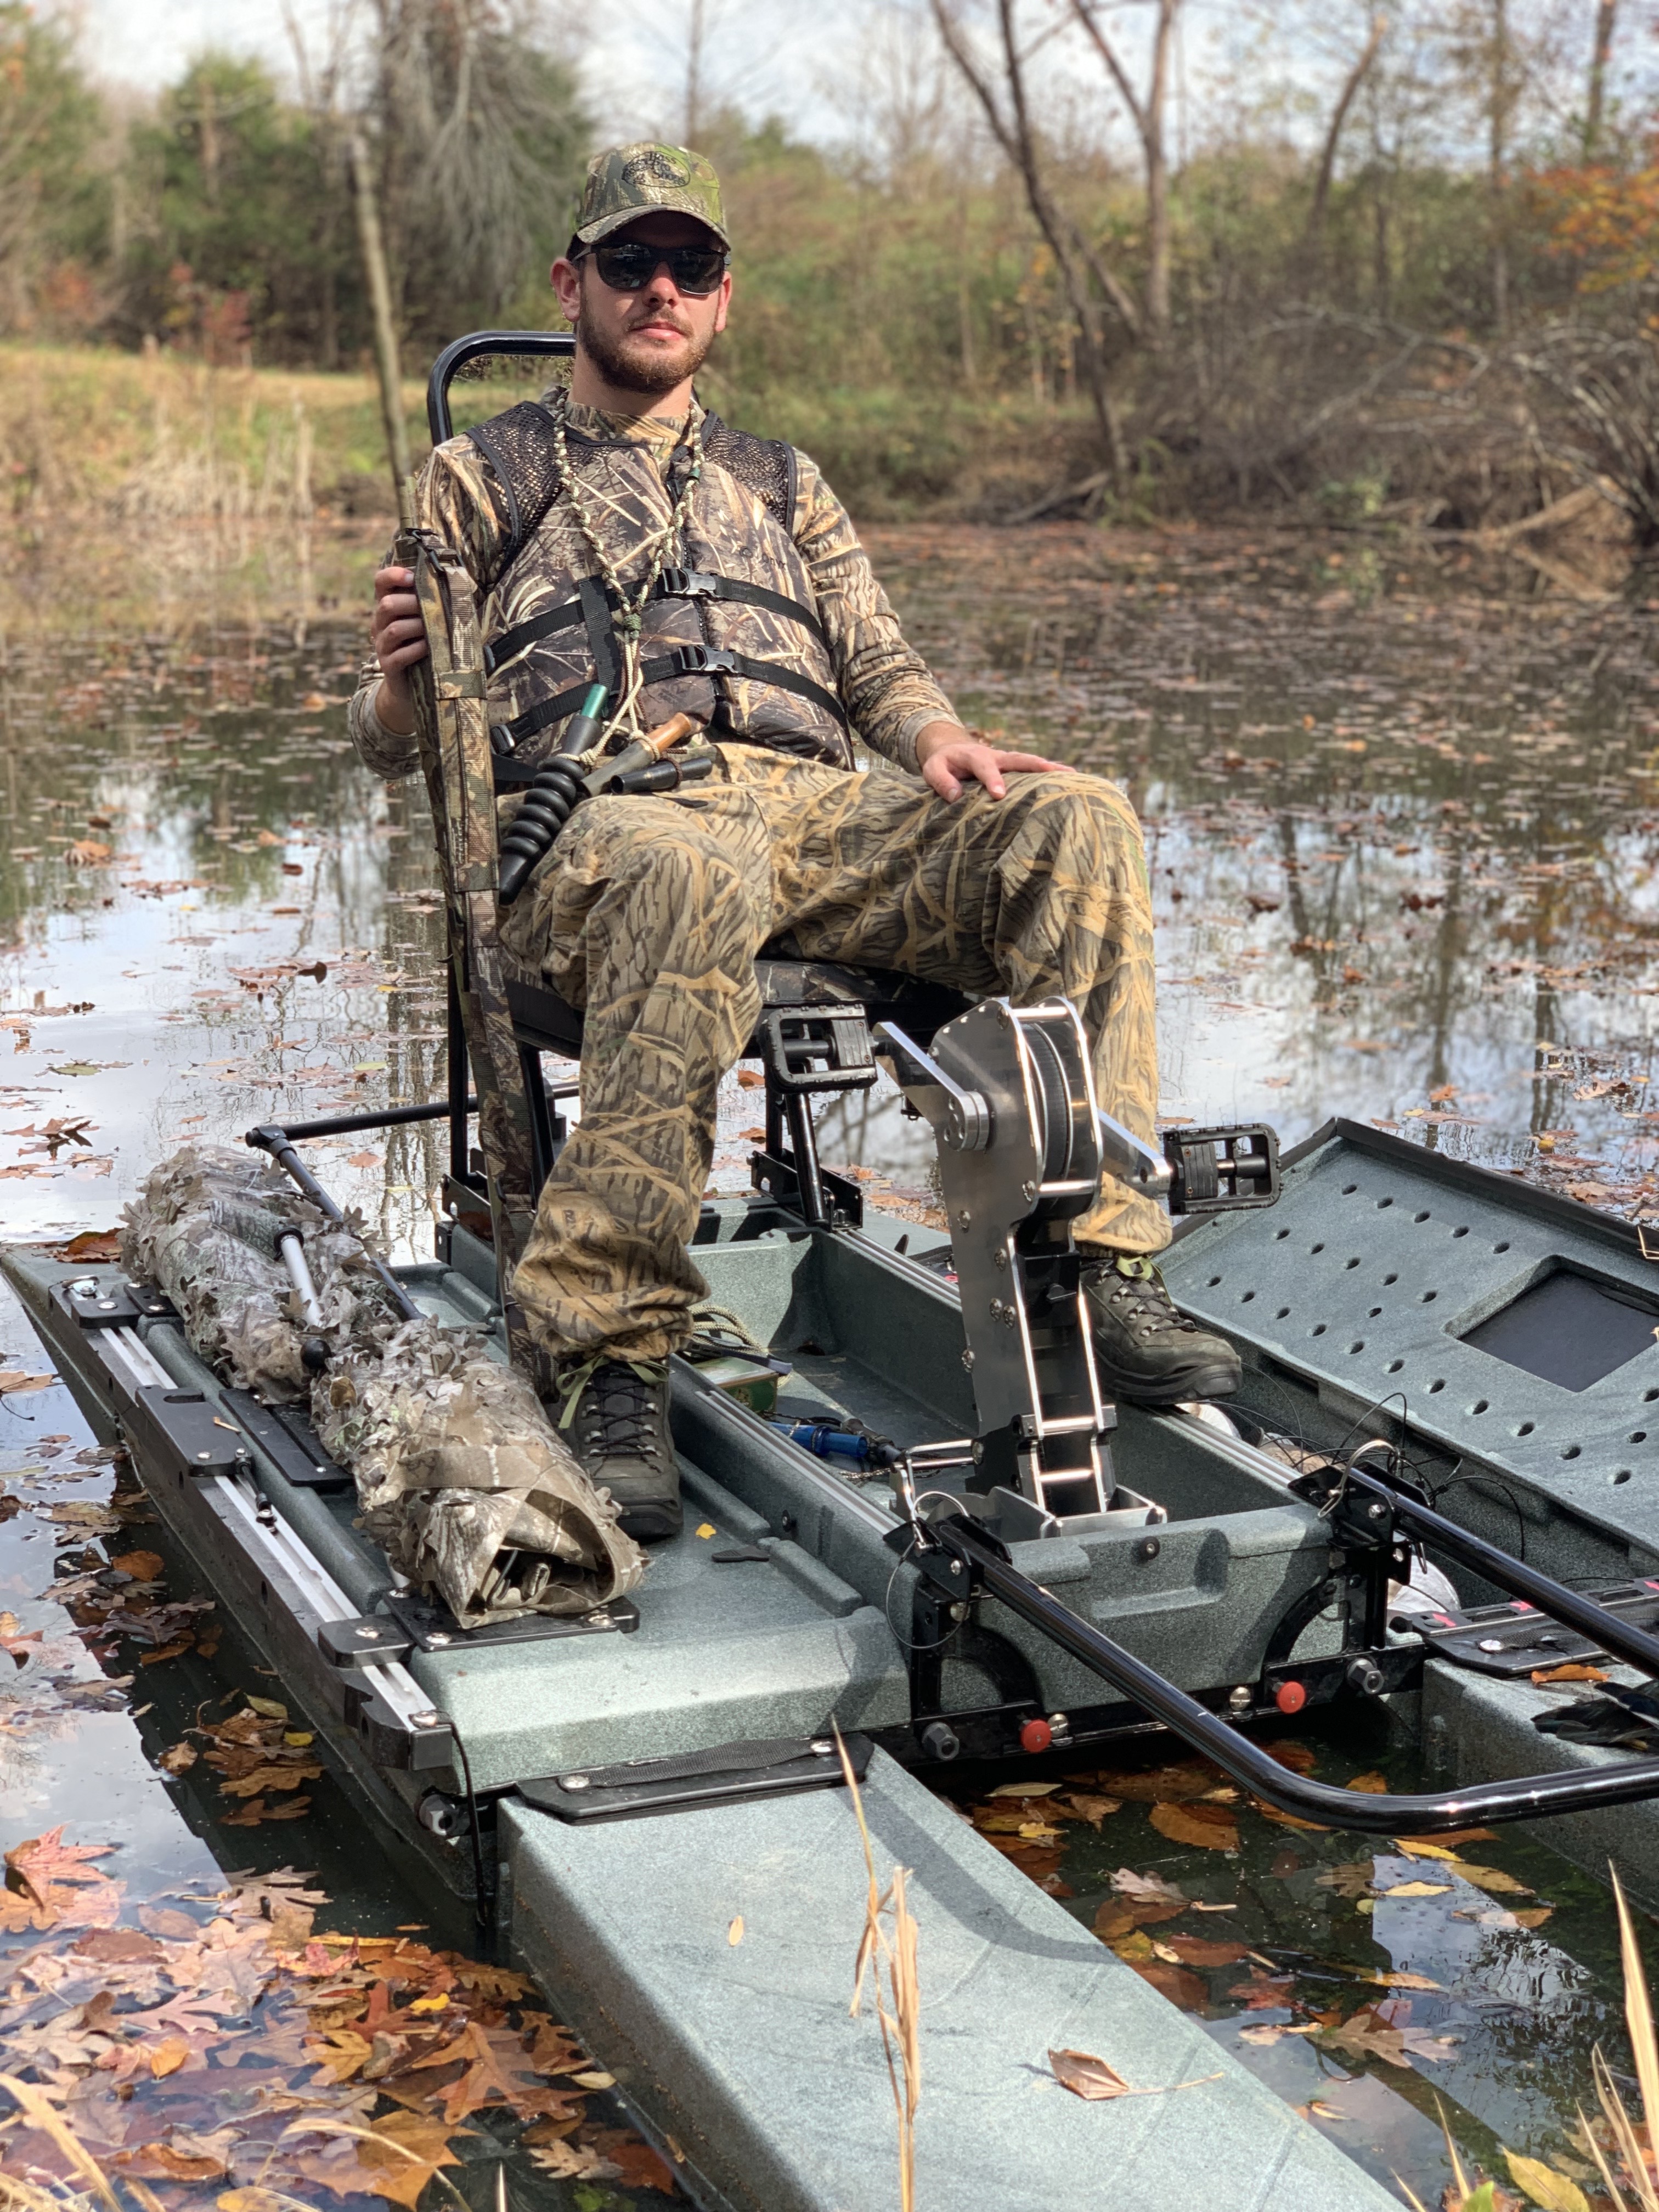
{"x":683,"y":660}
{"x":673,"y":584}
{"x":708,"y":584}
{"x":713,"y":660}
{"x":513,"y":642}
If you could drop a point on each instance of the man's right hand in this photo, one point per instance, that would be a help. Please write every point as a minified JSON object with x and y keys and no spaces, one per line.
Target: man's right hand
{"x":397,"y":635}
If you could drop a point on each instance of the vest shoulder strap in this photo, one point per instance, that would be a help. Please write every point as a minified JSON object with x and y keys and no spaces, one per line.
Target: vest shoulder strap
{"x":766,"y":465}
{"x":518,"y":447}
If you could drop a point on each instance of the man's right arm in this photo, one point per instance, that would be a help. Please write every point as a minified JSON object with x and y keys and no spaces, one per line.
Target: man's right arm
{"x":458,"y":498}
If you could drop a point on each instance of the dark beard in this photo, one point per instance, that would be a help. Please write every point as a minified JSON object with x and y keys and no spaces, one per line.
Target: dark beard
{"x":626,"y":370}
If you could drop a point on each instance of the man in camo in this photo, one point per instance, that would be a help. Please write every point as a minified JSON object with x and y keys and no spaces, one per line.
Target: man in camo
{"x":618,"y":530}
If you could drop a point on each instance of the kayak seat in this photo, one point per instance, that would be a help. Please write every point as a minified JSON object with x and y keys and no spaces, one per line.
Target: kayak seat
{"x":813,"y":1037}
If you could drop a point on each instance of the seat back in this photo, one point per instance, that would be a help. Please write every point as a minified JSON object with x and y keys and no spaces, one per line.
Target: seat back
{"x":814,"y":1031}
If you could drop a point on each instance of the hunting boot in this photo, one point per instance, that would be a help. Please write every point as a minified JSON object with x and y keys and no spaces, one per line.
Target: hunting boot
{"x":1144,"y":1349}
{"x":614,"y":1415}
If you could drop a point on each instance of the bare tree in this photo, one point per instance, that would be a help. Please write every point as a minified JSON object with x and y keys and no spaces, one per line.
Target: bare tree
{"x":1074,"y":258}
{"x":1146,"y":114}
{"x":321,"y":83}
{"x":1320,"y":205}
{"x":477,"y":132}
{"x":1607,"y":15}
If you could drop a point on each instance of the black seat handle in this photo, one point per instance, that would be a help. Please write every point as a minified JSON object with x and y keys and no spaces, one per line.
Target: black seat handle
{"x":484,"y":345}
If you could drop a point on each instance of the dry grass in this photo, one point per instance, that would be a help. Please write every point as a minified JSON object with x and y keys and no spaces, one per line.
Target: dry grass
{"x":889,"y":1959}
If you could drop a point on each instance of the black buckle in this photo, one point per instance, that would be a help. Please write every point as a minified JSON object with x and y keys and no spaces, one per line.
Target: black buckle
{"x":1218,"y":1170}
{"x":687,"y":584}
{"x":702,"y":660}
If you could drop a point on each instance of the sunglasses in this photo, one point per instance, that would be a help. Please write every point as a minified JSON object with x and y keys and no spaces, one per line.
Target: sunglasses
{"x":630,"y":266}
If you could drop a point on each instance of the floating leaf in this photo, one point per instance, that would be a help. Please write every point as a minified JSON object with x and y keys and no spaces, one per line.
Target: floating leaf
{"x":1492,"y":1879}
{"x":1418,"y":1889}
{"x":1179,"y":1984}
{"x":1212,"y":1827}
{"x":1547,"y":2189}
{"x":1201,"y":1950}
{"x":734,"y":1933}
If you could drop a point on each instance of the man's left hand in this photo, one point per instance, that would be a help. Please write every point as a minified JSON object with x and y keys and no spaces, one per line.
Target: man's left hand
{"x":950,"y":757}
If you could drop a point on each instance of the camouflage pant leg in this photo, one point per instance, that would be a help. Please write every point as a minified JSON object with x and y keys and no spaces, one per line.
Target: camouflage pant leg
{"x":648,"y":916}
{"x":1041,"y":893}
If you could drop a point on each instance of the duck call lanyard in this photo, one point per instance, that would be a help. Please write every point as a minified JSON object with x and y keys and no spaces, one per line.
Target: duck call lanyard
{"x":629,"y":620}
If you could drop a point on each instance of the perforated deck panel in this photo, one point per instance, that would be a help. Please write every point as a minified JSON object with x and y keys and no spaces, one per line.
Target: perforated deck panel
{"x":1517,"y":1328}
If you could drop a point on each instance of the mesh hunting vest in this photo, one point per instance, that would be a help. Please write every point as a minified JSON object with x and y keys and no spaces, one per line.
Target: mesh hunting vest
{"x":732,"y":635}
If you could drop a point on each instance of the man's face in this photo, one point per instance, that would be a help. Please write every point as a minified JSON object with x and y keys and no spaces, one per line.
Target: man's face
{"x":651,"y":340}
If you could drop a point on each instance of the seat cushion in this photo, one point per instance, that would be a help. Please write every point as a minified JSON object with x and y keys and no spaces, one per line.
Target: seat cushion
{"x":542,"y":1019}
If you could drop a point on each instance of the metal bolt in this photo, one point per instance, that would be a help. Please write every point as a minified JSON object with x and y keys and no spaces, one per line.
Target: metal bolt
{"x":1029,"y":1191}
{"x":968,"y":1358}
{"x":957,"y":1612}
{"x":369,"y":1635}
{"x":106,"y":1305}
{"x":572,"y":1782}
{"x":1490,"y":1644}
{"x":204,"y":1456}
{"x":439,"y":1640}
{"x":1009,"y":1316}
{"x":427,"y":1719}
{"x":956,"y":1567}
{"x":996,"y":1308}
{"x":1001,"y":1257}
{"x":820,"y":1746}
{"x":964,"y":1219}
{"x":1241,"y":1699}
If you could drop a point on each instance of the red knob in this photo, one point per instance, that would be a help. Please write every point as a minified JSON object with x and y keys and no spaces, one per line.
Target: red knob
{"x":1290,"y":1697}
{"x":1035,"y":1735}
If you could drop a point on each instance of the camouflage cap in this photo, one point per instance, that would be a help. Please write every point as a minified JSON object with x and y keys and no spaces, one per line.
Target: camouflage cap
{"x":625,"y":182}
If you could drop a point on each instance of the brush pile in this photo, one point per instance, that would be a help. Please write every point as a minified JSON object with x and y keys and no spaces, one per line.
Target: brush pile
{"x":463,"y":1481}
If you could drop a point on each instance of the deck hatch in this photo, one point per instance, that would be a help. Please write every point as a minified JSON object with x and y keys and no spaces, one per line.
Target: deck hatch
{"x":1567,"y":1329}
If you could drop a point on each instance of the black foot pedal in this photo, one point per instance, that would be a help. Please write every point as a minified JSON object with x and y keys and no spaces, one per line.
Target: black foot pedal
{"x":1218,"y":1170}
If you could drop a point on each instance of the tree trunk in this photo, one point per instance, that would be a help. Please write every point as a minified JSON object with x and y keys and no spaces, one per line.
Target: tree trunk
{"x":1607,"y":13}
{"x":1315,"y":235}
{"x":1147,"y":117}
{"x":1018,"y":143}
{"x":1498,"y":154}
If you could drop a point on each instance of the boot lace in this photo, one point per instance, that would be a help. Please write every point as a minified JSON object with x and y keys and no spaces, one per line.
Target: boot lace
{"x":1138,"y":1295}
{"x":618,"y":1402}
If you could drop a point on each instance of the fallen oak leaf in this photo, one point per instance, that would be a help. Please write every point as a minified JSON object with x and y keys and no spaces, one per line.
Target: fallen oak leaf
{"x":41,"y":2113}
{"x":31,"y":1867}
{"x":1096,"y":2083}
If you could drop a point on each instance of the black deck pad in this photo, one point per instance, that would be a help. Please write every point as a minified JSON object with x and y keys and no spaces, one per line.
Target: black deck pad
{"x":286,"y":1436}
{"x":775,"y":1767}
{"x":436,"y":1628}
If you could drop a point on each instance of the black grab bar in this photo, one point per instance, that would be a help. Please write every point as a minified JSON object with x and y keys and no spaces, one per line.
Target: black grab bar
{"x":961,"y":1558}
{"x":479,"y":345}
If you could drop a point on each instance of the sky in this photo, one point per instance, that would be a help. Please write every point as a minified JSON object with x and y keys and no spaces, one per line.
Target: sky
{"x":633,"y":52}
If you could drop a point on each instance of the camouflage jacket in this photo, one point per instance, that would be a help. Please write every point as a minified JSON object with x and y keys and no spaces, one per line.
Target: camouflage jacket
{"x":818,"y":653}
